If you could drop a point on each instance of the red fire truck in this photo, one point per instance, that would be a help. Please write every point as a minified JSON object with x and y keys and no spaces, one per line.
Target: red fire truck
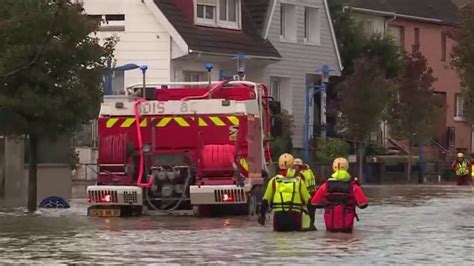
{"x":182,"y":146}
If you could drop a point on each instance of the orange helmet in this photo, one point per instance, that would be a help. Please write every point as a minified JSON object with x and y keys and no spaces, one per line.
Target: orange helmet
{"x":286,"y":161}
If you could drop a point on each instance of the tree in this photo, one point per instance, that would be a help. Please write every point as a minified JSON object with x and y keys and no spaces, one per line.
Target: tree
{"x":363,"y":98}
{"x":463,"y":61}
{"x":352,"y":44}
{"x":282,"y":131}
{"x":51,"y":71}
{"x":349,"y":40}
{"x":414,"y":112}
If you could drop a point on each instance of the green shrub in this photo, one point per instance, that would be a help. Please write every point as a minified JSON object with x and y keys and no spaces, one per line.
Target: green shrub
{"x":326,"y":151}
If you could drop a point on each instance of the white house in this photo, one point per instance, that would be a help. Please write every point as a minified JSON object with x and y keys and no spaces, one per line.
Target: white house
{"x":286,"y":41}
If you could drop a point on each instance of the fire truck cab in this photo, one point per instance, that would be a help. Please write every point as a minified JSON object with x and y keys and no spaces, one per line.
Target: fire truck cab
{"x":182,"y":146}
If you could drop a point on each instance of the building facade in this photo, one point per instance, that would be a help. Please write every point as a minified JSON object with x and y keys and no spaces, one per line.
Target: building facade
{"x":285,"y":41}
{"x":425,"y":23}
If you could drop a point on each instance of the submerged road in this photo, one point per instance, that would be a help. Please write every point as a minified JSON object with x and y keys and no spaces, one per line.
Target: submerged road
{"x":402,"y":225}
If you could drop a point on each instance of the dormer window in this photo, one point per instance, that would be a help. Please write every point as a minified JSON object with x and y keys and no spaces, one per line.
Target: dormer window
{"x":218,"y":13}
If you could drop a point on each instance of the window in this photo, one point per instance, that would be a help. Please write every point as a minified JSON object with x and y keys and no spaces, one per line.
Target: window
{"x":275,"y":89}
{"x":369,"y":27}
{"x":194,"y":76}
{"x":218,"y":13}
{"x":111,"y":22}
{"x":118,"y":83}
{"x":312,"y":26}
{"x":398,"y":34}
{"x":288,"y":22}
{"x":443,"y":46}
{"x":417,"y":37}
{"x":459,"y":111}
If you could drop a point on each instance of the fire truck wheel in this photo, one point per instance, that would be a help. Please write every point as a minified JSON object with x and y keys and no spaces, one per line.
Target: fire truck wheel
{"x":200,"y":210}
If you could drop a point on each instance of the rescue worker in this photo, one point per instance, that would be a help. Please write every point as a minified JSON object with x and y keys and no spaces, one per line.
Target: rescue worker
{"x":305,"y":173}
{"x":462,"y":168}
{"x":339,"y":196}
{"x":287,"y":196}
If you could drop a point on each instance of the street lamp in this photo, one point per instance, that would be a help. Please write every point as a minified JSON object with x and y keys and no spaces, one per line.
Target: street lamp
{"x":126,"y":67}
{"x":143,"y":68}
{"x":209,"y":68}
{"x":241,"y":65}
{"x":312,"y":90}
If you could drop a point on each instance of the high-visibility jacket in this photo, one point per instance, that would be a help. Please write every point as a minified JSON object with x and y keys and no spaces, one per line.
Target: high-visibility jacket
{"x":462,"y":169}
{"x":286,"y":194}
{"x":309,"y":179}
{"x":341,"y":175}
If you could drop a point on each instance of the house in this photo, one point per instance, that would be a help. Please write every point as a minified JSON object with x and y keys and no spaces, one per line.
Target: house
{"x":286,"y":42}
{"x":425,"y":23}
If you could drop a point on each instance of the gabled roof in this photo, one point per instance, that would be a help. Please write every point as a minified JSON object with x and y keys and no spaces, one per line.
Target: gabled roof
{"x":223,"y":41}
{"x":461,"y":3}
{"x":443,"y":11}
{"x":258,"y":10}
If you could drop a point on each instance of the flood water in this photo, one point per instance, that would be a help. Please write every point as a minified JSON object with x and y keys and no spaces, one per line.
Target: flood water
{"x":402,"y":225}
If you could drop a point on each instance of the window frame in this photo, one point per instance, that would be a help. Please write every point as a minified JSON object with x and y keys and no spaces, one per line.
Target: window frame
{"x":417,"y":37}
{"x":217,"y":22}
{"x":443,"y":46}
{"x":458,"y":116}
{"x":287,"y":22}
{"x":192,"y":73}
{"x":275,"y":81}
{"x":204,"y":21}
{"x":109,"y":22}
{"x":310,"y":28}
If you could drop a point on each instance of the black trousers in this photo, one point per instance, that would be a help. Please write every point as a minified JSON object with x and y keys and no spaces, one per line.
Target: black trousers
{"x":312,"y":214}
{"x":286,"y":221}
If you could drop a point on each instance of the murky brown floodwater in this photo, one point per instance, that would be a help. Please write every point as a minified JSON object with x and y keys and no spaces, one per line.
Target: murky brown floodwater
{"x":404,"y":225}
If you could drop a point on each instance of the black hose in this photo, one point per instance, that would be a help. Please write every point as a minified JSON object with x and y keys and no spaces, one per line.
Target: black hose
{"x":183,"y":196}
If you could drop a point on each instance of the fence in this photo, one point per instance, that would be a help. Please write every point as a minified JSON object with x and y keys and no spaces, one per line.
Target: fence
{"x":86,"y":172}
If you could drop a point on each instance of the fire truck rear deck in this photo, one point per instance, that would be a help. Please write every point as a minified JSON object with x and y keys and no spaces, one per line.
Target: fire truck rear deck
{"x":184,"y":146}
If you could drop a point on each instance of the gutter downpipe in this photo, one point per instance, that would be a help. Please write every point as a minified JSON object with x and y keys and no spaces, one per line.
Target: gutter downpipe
{"x":388,"y":21}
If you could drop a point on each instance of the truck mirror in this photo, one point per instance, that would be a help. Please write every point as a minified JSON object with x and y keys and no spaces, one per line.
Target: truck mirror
{"x":275,"y":107}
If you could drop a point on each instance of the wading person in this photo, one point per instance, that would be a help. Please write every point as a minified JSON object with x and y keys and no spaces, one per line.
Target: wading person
{"x":462,"y":169}
{"x":304,"y":172}
{"x":287,"y":196}
{"x":339,"y":196}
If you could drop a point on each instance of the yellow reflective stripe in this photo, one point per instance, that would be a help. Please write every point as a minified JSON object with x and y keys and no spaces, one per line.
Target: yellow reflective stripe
{"x":181,"y":121}
{"x":217,"y":121}
{"x":163,"y":122}
{"x":202,"y":122}
{"x":128,"y":122}
{"x":244,"y":164}
{"x":111,"y":122}
{"x":234,"y":120}
{"x":143,"y":123}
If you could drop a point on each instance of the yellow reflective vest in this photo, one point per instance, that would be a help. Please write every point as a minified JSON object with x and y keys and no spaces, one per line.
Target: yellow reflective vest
{"x":309,"y":179}
{"x":286,"y":194}
{"x":462,"y":169}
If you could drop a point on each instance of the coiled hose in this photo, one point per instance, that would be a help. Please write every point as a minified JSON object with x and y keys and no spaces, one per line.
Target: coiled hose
{"x":113,"y":149}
